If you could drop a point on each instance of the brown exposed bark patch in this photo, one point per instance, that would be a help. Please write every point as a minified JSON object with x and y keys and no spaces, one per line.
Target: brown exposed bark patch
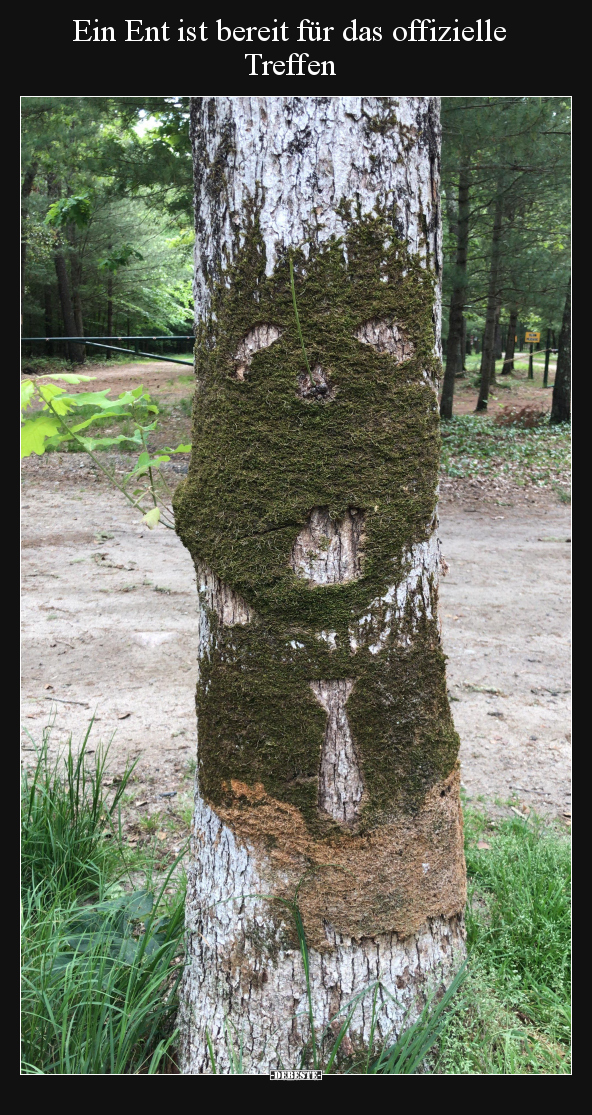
{"x":329,"y":552}
{"x":340,"y":782}
{"x":258,"y":338}
{"x":386,"y":336}
{"x":389,"y":880}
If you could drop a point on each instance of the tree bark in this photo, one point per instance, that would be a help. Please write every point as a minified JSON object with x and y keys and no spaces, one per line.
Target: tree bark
{"x":48,"y":318}
{"x":76,"y":277}
{"x":454,"y":347}
{"x":488,"y":359}
{"x":463,"y":347}
{"x":74,"y":351}
{"x":561,"y":405}
{"x":497,"y":340}
{"x":109,"y":306}
{"x":27,"y":186}
{"x":508,"y":367}
{"x":327,"y":759}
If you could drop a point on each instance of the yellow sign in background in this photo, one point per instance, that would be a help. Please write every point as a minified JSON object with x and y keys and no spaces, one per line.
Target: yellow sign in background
{"x":532,"y":338}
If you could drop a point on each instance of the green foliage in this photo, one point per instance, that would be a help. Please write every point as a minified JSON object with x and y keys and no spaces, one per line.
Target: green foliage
{"x":522,"y":934}
{"x":119,"y":258}
{"x":76,"y":209}
{"x":516,"y":1018}
{"x":64,"y":819}
{"x":52,"y":426}
{"x":474,"y":445}
{"x":101,"y":965}
{"x":516,"y":149}
{"x":117,"y":205}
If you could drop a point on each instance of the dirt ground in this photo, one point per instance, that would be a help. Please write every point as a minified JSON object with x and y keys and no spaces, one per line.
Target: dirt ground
{"x":514,"y":390}
{"x":110,"y":630}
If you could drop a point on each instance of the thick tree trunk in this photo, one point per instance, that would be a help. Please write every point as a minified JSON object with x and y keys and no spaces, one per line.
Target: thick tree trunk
{"x":327,"y":756}
{"x":454,"y":347}
{"x":488,"y":359}
{"x":561,"y":406}
{"x":497,"y":340}
{"x":76,"y":276}
{"x":75,"y":351}
{"x":48,"y":318}
{"x":498,"y":332}
{"x":27,"y":186}
{"x":508,"y":367}
{"x":109,"y":307}
{"x":463,"y":347}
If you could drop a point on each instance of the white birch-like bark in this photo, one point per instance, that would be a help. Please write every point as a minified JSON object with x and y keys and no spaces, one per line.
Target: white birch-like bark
{"x":244,"y":985}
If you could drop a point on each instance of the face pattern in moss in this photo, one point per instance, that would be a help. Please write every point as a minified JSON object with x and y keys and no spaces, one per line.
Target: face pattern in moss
{"x":265,"y":455}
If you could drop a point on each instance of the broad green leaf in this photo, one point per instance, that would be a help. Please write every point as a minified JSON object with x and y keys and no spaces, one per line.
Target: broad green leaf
{"x":144,"y":463}
{"x":179,"y":449}
{"x":102,"y":416}
{"x":91,"y":443}
{"x":27,"y":392}
{"x":59,"y":405}
{"x":136,"y":393}
{"x":152,"y":517}
{"x":50,"y":391}
{"x":36,"y":431}
{"x":68,"y":377}
{"x":93,"y":398}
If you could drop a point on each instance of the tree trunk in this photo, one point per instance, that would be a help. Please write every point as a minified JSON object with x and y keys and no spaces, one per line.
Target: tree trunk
{"x":497,"y":341}
{"x":488,"y":359}
{"x":508,"y":367}
{"x":109,"y":306}
{"x":327,"y":758}
{"x":498,"y":331}
{"x":561,"y":409}
{"x":463,"y":347}
{"x":454,"y":347}
{"x":26,"y":188}
{"x":48,"y":319}
{"x":76,"y":277}
{"x":75,"y":351}
{"x":469,"y":348}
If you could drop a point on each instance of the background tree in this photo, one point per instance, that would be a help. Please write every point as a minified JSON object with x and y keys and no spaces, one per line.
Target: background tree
{"x":327,"y":803}
{"x":111,"y":177}
{"x":518,"y":224}
{"x":560,"y":410}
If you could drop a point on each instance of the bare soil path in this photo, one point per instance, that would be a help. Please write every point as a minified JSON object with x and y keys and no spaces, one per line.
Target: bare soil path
{"x":110,"y":629}
{"x":110,"y":621}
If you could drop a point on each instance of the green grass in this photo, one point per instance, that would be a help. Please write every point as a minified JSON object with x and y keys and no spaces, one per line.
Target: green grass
{"x":473,"y":445}
{"x":517,"y":1014}
{"x":102,"y":956}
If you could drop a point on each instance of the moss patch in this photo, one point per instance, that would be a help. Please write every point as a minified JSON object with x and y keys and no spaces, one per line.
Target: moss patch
{"x":263,"y":458}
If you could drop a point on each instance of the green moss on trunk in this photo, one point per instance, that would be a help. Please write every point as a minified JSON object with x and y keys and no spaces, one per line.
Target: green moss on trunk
{"x":263,"y":458}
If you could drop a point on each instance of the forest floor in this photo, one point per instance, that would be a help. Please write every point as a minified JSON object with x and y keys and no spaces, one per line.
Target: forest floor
{"x":116,"y":638}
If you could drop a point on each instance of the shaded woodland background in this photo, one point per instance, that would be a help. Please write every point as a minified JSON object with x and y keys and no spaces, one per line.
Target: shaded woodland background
{"x":108,"y":225}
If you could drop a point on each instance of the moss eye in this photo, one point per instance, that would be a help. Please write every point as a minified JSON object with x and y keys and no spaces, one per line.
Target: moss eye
{"x":386,"y":336}
{"x":260,"y":336}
